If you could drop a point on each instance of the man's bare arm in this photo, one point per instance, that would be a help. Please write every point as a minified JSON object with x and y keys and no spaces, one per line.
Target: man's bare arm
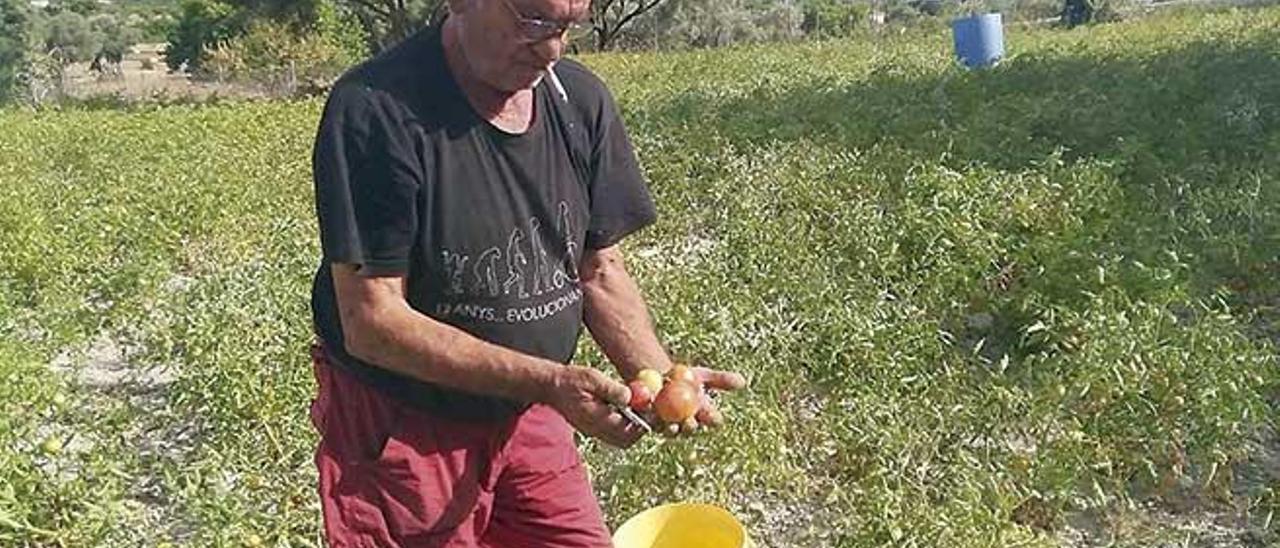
{"x":617,"y":315}
{"x":379,"y":327}
{"x":620,"y":323}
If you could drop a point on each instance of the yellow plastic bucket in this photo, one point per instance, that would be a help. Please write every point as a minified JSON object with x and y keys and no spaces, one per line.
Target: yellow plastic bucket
{"x":682,"y":525}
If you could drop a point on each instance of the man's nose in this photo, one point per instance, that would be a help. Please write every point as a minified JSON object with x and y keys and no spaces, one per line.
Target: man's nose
{"x":549,"y":50}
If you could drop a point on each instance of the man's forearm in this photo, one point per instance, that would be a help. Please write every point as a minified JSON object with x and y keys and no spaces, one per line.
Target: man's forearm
{"x":413,"y":344}
{"x":617,"y":316}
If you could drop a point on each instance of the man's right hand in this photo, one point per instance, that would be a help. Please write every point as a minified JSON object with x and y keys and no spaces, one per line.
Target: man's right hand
{"x":583,"y":396}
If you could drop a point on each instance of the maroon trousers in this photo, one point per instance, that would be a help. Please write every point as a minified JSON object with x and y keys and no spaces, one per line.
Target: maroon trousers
{"x":394,"y":476}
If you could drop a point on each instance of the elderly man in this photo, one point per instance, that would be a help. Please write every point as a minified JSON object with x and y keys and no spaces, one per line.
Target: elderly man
{"x":471,"y":194}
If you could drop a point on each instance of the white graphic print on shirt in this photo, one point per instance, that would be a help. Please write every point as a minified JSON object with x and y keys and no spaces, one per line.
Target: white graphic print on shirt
{"x":521,"y":271}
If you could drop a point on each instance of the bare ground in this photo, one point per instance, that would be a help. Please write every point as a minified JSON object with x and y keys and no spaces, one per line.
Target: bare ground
{"x":144,"y":76}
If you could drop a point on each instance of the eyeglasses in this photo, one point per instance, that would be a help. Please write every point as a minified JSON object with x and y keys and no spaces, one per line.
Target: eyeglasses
{"x":535,"y":29}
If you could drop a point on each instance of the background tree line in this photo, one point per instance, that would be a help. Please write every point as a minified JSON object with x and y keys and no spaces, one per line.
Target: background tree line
{"x":38,"y":41}
{"x":308,"y":42}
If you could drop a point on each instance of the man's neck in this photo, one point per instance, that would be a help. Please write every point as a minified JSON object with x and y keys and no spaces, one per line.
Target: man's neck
{"x":510,"y":111}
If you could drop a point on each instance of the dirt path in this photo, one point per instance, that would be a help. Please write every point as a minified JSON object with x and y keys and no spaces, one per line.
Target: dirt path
{"x":142,"y":76}
{"x":109,"y":381}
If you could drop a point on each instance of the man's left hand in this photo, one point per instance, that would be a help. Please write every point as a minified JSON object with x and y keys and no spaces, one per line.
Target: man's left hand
{"x":708,"y":415}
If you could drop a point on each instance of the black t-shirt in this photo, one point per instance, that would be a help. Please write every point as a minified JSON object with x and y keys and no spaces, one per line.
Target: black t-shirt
{"x":488,"y":227}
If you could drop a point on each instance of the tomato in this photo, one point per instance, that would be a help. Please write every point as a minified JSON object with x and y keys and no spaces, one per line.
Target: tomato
{"x":51,"y":445}
{"x":684,"y":373}
{"x":652,"y":380}
{"x":641,"y":397}
{"x":677,"y":401}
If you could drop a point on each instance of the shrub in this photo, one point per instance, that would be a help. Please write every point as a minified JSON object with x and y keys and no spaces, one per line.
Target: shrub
{"x":834,"y":18}
{"x":273,"y":56}
{"x":201,"y":24}
{"x":15,"y":28}
{"x":70,"y":38}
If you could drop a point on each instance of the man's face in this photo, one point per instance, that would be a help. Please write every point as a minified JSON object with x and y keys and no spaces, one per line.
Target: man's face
{"x":510,"y":42}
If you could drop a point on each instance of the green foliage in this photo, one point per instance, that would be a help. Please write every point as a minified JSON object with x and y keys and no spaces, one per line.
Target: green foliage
{"x":290,"y":11}
{"x":835,"y":17}
{"x":274,"y":55}
{"x":154,"y":27}
{"x":971,"y":304}
{"x":153,"y":19}
{"x":259,"y":41}
{"x":713,"y":23}
{"x":15,"y":26}
{"x":52,"y":490}
{"x":70,"y":39}
{"x":201,"y":24}
{"x":706,"y":23}
{"x":84,"y":8}
{"x":1026,"y":10}
{"x":116,"y":38}
{"x":341,"y":30}
{"x":386,"y":23}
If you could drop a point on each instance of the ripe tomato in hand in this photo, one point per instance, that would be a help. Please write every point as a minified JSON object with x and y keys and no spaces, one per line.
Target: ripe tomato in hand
{"x":685,"y":373}
{"x":652,"y":380}
{"x":677,"y":401}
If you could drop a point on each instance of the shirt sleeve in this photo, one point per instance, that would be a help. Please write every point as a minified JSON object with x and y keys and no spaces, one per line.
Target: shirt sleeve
{"x":366,"y":184}
{"x":620,"y":200}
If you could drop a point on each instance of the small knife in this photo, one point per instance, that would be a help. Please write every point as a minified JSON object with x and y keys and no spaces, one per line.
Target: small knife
{"x":634,"y":418}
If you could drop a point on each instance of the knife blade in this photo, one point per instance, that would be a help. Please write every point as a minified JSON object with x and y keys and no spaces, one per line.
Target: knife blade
{"x":634,"y":418}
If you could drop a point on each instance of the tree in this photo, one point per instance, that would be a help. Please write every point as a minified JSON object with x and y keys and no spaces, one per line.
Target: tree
{"x":291,"y":12}
{"x":831,"y":18}
{"x":69,"y":38}
{"x":202,"y":23}
{"x":15,"y":28}
{"x":610,"y":17}
{"x":116,"y":39}
{"x":713,"y":23}
{"x":82,"y":7}
{"x":386,"y":22}
{"x":341,"y":29}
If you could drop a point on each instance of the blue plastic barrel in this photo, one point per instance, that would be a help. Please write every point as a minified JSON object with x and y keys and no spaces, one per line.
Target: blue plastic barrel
{"x":979,"y":39}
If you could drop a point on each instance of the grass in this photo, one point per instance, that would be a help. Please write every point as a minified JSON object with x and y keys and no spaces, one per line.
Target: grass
{"x":973,"y":305}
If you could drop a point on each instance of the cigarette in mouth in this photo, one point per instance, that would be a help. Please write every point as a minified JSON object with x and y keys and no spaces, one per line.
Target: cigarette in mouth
{"x":555,"y":81}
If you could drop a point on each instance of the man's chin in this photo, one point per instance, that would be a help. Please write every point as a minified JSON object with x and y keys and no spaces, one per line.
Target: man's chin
{"x":521,"y":81}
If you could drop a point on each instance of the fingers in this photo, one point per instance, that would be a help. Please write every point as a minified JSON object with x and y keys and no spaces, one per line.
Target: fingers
{"x":708,"y":415}
{"x":670,"y":430}
{"x":608,"y":425}
{"x":614,"y":429}
{"x":689,"y":426}
{"x":609,"y":390}
{"x":720,"y":380}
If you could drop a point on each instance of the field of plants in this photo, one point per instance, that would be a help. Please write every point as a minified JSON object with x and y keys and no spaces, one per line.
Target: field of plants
{"x":1032,"y":306}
